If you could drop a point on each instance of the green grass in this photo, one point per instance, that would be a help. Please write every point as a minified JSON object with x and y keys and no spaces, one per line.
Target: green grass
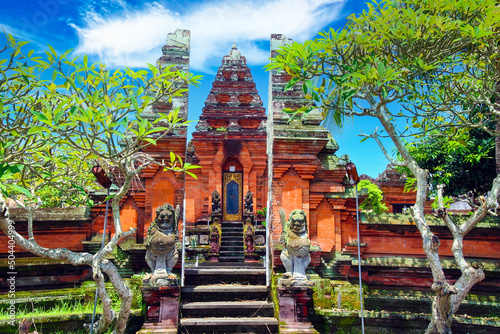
{"x":60,"y":308}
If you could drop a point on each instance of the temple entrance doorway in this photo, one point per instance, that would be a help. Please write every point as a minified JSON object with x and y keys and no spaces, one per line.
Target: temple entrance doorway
{"x":232,"y":190}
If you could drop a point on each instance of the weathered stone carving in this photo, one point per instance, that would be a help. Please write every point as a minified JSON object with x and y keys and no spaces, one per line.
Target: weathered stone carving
{"x":249,"y":237}
{"x":216,"y":207}
{"x":295,"y":256}
{"x":248,"y":204}
{"x":213,"y":239}
{"x":161,"y":254}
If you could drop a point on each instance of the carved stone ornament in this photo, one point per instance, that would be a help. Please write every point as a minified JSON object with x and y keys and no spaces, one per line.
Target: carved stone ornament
{"x":295,"y":256}
{"x":248,"y":205}
{"x":216,"y":207}
{"x":161,"y":254}
{"x":249,"y":235}
{"x":214,"y":239}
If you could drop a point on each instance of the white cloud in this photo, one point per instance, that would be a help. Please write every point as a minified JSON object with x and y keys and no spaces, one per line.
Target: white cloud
{"x":134,"y":37}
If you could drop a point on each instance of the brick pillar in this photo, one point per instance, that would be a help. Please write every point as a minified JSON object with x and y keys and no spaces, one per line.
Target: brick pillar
{"x":162,"y":305}
{"x":295,"y":302}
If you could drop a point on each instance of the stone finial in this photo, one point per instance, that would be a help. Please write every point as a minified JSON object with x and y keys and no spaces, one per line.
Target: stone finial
{"x":278,"y":40}
{"x":202,"y":125}
{"x":180,"y":38}
{"x":234,"y":54}
{"x":211,"y":100}
{"x":234,"y":58}
{"x":256,"y":101}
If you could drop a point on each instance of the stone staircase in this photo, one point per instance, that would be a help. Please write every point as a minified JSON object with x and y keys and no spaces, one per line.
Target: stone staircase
{"x":231,"y":244}
{"x":226,"y":298}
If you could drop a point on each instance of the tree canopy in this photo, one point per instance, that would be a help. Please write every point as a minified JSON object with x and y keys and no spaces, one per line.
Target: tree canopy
{"x":465,"y":162}
{"x":60,"y":115}
{"x":373,"y":200}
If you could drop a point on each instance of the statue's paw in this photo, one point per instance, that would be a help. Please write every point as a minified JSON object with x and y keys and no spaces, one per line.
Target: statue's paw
{"x":287,"y":275}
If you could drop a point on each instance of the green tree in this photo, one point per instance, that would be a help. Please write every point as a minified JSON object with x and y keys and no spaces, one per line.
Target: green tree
{"x":464,"y":162}
{"x":374,"y":199}
{"x":53,"y":129}
{"x":428,"y":57}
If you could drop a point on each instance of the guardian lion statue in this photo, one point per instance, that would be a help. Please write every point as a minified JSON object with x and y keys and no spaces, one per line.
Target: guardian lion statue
{"x":161,"y":254}
{"x":295,"y":256}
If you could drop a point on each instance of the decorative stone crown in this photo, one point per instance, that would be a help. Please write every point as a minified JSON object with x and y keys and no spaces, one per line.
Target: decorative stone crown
{"x":234,"y":58}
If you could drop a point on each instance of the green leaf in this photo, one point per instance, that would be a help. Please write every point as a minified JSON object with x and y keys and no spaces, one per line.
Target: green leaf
{"x":192,"y":175}
{"x":172,"y":157}
{"x":19,"y":189}
{"x":134,"y":103}
{"x":149,"y":140}
{"x":37,"y":129}
{"x":110,"y":197}
{"x":304,"y":88}
{"x":291,"y":83}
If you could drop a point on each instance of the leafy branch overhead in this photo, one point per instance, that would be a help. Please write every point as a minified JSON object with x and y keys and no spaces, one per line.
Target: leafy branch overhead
{"x":58,"y":115}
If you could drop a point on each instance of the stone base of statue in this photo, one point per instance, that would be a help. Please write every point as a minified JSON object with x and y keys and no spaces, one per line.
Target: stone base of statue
{"x":294,"y":303}
{"x":288,"y":280}
{"x":162,"y":305}
{"x":212,"y":257}
{"x":160,"y":278}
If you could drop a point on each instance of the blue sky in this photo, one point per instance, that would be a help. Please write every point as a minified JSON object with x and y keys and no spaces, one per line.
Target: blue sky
{"x":130,"y":33}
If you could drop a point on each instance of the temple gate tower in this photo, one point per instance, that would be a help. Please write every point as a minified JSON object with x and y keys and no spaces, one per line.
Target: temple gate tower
{"x":229,"y":144}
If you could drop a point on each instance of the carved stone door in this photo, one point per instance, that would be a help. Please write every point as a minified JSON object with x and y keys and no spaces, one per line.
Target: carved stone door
{"x":232,"y":196}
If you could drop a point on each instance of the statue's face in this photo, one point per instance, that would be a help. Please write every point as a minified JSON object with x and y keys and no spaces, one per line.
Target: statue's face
{"x":298,"y":223}
{"x":165,"y":220}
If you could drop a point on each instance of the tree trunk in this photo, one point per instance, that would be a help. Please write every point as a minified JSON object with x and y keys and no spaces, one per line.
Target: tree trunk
{"x":98,"y":265}
{"x":497,"y":129}
{"x":441,"y":317}
{"x":448,"y":297}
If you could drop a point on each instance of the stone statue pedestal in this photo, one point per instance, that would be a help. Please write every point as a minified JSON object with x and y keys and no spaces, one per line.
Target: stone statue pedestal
{"x":294,"y":303}
{"x":162,"y":305}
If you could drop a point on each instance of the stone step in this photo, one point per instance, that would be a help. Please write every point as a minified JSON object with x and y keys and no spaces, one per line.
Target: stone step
{"x":239,"y":247}
{"x":249,"y":308}
{"x":231,"y":248}
{"x":223,"y":292}
{"x":150,"y":328}
{"x":229,"y":275}
{"x":231,"y":265}
{"x":232,"y":234}
{"x":225,"y":271}
{"x":229,"y":251}
{"x":231,"y":241}
{"x":305,"y":328}
{"x":232,"y":227}
{"x":229,"y":325}
{"x":228,"y":258}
